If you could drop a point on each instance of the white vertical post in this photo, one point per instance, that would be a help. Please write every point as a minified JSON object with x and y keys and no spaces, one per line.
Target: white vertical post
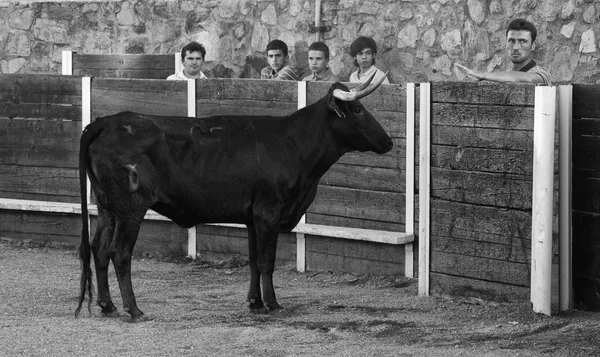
{"x":410,"y":179}
{"x":565,"y":95}
{"x":178,"y":64}
{"x":543,"y":178}
{"x":318,"y":20}
{"x":191,"y":109}
{"x":300,"y":238}
{"x":67,"y":63}
{"x":424,"y":186}
{"x":86,"y":118}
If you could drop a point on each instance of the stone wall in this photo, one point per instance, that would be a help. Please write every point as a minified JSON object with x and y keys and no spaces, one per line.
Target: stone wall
{"x":419,"y":40}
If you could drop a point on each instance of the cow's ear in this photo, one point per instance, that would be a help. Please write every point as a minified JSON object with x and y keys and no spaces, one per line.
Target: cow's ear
{"x":332,"y":103}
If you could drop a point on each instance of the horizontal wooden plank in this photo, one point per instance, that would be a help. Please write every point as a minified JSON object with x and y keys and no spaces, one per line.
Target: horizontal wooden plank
{"x":125,"y":73}
{"x":586,"y":229}
{"x":586,"y":194}
{"x":370,"y":205}
{"x":457,"y":157}
{"x":365,"y":178}
{"x":499,"y":190}
{"x":395,"y":158}
{"x":491,"y":270}
{"x":49,"y":85}
{"x":517,"y":253}
{"x":482,"y":137}
{"x":481,"y":223}
{"x":586,"y":162}
{"x":39,"y":111}
{"x":156,"y":97}
{"x":456,"y":286}
{"x":367,"y":235}
{"x":587,"y":262}
{"x":340,"y":263}
{"x":483,"y":93}
{"x":41,"y":227}
{"x":583,"y":127}
{"x":50,"y":143}
{"x":483,"y":116}
{"x":585,"y":101}
{"x":222,"y":89}
{"x":244,"y":107}
{"x":586,"y":293}
{"x":39,"y":183}
{"x":355,"y":249}
{"x":122,"y":61}
{"x":330,"y":220}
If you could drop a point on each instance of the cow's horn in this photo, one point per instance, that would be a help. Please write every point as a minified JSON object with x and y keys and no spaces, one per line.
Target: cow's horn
{"x":357,"y":94}
{"x":365,"y":84}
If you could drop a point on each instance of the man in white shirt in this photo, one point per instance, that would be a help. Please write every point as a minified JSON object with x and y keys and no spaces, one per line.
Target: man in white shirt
{"x":192,"y":57}
{"x":363,"y":50}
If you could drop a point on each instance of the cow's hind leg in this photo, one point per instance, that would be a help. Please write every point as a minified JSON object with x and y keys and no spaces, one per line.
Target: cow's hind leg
{"x":100,"y":248}
{"x":254,"y":295}
{"x":266,"y":247}
{"x":126,"y":233}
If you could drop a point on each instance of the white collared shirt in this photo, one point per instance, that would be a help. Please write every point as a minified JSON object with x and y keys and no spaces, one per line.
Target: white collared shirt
{"x":179,"y":76}
{"x":365,"y":76}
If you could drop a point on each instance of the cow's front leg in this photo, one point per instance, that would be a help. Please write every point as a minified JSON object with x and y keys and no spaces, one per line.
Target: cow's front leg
{"x":267,"y":235}
{"x":254,"y":296}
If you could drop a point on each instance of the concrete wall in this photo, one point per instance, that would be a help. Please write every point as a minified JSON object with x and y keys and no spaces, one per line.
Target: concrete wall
{"x":419,"y":40}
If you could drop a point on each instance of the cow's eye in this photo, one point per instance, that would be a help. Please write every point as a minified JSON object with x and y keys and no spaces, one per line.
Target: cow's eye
{"x":357,"y":110}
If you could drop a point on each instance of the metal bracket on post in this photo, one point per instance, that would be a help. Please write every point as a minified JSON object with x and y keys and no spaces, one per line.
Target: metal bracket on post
{"x":314,"y":29}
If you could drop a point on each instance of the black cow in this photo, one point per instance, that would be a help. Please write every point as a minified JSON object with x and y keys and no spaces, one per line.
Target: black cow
{"x":260,"y":171}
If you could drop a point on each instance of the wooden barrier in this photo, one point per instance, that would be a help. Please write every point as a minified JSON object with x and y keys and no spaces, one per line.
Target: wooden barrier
{"x":481,"y":189}
{"x":227,"y":96}
{"x":143,"y":66}
{"x":586,"y":197}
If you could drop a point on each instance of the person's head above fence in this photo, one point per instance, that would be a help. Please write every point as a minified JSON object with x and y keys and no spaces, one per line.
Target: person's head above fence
{"x":520,"y":44}
{"x":277,"y":54}
{"x":192,"y":57}
{"x":366,"y":48}
{"x":363,"y":50}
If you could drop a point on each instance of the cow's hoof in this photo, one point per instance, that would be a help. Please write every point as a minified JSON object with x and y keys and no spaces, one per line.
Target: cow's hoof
{"x":259,"y":311}
{"x":279,"y":311}
{"x":113,"y":313}
{"x":140,"y":318}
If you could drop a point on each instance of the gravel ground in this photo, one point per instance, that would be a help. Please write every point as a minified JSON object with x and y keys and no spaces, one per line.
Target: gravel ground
{"x":199,"y":309}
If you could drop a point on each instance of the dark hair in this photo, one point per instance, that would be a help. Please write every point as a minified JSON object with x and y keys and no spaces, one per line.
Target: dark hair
{"x":319,"y":46}
{"x":360,"y":44}
{"x":193,"y":47}
{"x":522,"y":25}
{"x":277,"y":45}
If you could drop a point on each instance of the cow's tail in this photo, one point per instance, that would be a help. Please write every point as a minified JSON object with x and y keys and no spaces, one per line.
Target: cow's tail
{"x":84,"y":249}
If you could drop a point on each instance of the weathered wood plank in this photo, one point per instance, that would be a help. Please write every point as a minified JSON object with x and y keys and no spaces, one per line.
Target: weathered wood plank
{"x":482,"y":249}
{"x":481,"y":268}
{"x":156,"y":97}
{"x":125,"y":73}
{"x":395,"y":158}
{"x":481,"y":223}
{"x":123,"y":61}
{"x":39,"y":143}
{"x":442,"y":284}
{"x":586,"y":161}
{"x":53,"y":86}
{"x":483,"y":116}
{"x":587,"y":263}
{"x":369,"y":205}
{"x":220,"y":89}
{"x":586,"y":292}
{"x":483,"y":93}
{"x":502,"y":191}
{"x":458,"y":157}
{"x":585,"y":101}
{"x":353,"y":256}
{"x":337,"y":221}
{"x":482,"y":137}
{"x":586,"y":194}
{"x":586,"y":229}
{"x":586,"y":127}
{"x":39,"y":183}
{"x":243,"y":107}
{"x":364,"y":178}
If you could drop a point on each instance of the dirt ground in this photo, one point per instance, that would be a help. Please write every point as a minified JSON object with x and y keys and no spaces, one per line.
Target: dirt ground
{"x":199,"y":309}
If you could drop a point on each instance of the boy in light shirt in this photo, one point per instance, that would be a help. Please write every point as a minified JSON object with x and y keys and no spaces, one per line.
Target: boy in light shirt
{"x":318,"y":61}
{"x":363,"y":50}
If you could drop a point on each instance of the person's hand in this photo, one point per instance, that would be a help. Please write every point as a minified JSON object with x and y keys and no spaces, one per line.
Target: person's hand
{"x":469,"y":72}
